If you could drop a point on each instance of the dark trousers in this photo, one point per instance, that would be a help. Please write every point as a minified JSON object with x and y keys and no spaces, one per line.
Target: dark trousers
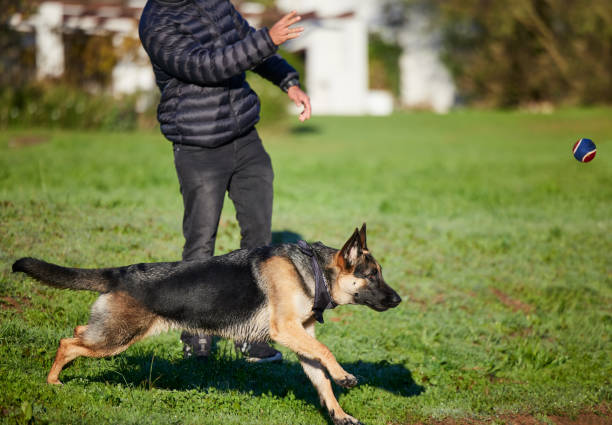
{"x":243,"y":169}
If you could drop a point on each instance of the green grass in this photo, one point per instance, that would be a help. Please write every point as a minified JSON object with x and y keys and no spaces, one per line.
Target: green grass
{"x":498,"y":240}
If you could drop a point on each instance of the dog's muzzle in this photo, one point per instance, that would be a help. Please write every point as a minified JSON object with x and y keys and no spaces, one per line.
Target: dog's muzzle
{"x":393,"y":301}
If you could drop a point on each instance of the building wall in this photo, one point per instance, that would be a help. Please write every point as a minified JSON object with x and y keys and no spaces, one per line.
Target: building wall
{"x":49,"y":44}
{"x":335,"y":42}
{"x":337,"y":63}
{"x":133,"y":73}
{"x":335,"y":46}
{"x":425,"y":81}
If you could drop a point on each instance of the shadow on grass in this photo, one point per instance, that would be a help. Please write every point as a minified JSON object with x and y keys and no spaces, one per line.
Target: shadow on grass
{"x":305,"y":129}
{"x":277,"y":379}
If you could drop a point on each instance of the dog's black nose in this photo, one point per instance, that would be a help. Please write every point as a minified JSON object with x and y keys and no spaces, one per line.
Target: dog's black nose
{"x":394,"y":300}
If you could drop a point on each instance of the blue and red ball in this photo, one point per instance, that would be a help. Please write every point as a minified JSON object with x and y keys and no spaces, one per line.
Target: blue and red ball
{"x":584,"y":150}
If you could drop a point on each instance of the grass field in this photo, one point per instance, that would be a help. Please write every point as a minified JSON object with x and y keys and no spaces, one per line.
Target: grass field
{"x":499,"y":242}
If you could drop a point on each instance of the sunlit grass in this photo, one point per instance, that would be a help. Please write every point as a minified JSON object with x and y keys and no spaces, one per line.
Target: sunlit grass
{"x":497,"y":239}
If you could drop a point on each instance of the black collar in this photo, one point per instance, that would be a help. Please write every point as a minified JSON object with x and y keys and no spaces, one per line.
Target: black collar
{"x":322,"y":298}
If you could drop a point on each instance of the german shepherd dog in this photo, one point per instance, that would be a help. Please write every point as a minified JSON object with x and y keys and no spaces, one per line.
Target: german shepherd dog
{"x":246,"y":295}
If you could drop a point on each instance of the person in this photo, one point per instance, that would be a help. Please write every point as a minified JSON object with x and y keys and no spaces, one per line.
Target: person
{"x":200,"y":50}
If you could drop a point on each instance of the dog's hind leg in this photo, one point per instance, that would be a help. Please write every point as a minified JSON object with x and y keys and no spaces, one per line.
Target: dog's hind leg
{"x":316,"y":373}
{"x":78,"y":331}
{"x":71,"y":348}
{"x":117,"y":321}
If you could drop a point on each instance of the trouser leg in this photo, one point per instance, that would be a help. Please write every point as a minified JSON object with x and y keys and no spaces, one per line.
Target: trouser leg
{"x":203,"y":175}
{"x":244,"y":169}
{"x":251,"y":191}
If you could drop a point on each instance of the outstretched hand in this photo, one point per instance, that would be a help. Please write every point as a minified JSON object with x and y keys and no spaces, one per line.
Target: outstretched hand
{"x":297,"y":95}
{"x":280,"y":31}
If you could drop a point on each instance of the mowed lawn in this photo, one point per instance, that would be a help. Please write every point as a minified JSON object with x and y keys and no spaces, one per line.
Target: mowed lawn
{"x":497,"y":239}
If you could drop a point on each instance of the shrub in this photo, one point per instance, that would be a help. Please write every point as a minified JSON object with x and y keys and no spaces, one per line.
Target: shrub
{"x":66,"y":107}
{"x":384,"y":71}
{"x":507,"y":54}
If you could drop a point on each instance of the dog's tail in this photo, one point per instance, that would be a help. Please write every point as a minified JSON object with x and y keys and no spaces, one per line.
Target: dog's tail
{"x":65,"y":277}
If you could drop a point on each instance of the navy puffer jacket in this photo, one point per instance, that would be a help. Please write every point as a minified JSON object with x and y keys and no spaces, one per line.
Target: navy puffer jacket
{"x":200,"y":50}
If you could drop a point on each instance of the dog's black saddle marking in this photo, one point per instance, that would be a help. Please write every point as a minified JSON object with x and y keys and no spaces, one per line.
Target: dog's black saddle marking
{"x":322,"y":299}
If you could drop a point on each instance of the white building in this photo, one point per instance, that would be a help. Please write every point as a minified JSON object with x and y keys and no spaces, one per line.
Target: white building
{"x":54,"y":18}
{"x":425,"y":82}
{"x":335,"y":44}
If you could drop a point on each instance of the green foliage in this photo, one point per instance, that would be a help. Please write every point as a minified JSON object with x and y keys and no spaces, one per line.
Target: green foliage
{"x":496,"y":238}
{"x":63,"y":106}
{"x":17,"y":61}
{"x":89,"y":59}
{"x":383,"y":63}
{"x":508,"y":54}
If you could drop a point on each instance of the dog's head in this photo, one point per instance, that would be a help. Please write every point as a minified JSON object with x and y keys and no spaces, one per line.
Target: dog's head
{"x":360,"y":279}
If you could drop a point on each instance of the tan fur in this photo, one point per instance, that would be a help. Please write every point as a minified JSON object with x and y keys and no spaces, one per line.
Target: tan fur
{"x":346,"y":283}
{"x":117,"y":321}
{"x":292,"y":325}
{"x":316,"y":373}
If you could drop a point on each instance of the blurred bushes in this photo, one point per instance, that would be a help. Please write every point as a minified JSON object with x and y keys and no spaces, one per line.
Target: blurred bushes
{"x":60,"y":105}
{"x":383,"y":64}
{"x":17,"y":57}
{"x":507,"y":54}
{"x":89,"y":59}
{"x":80,"y":101}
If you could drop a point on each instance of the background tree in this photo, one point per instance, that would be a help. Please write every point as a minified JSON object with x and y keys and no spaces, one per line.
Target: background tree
{"x":17,"y":61}
{"x":512,"y":53}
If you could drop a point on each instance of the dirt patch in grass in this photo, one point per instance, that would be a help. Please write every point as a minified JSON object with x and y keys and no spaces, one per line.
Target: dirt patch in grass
{"x":512,"y":303}
{"x":598,"y":415}
{"x":27,"y":140}
{"x":10,"y":303}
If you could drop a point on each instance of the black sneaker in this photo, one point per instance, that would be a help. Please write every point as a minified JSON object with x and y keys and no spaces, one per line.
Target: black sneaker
{"x":196,"y":346}
{"x":258,"y":352}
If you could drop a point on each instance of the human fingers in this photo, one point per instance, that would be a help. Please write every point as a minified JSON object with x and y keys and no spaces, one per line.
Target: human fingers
{"x":292,"y":35}
{"x":288,"y":16}
{"x":292,"y":21}
{"x":306,"y":113}
{"x":302,"y":99}
{"x":280,"y":31}
{"x":296,"y":29}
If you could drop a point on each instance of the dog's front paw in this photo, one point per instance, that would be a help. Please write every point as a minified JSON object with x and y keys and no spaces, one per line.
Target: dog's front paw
{"x":347,"y":381}
{"x":345,"y":420}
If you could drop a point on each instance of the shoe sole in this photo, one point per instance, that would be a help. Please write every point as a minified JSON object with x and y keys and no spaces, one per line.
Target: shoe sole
{"x":275,"y":358}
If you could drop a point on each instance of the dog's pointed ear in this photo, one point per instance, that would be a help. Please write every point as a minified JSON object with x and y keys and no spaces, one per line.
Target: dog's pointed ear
{"x":362,"y":237}
{"x":351,"y":250}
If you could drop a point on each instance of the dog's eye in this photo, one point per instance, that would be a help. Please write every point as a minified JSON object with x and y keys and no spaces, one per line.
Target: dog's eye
{"x":373,"y":274}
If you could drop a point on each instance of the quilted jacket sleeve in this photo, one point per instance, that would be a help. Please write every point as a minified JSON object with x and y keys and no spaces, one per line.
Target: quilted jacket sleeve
{"x":274,"y":68}
{"x":183,"y":57}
